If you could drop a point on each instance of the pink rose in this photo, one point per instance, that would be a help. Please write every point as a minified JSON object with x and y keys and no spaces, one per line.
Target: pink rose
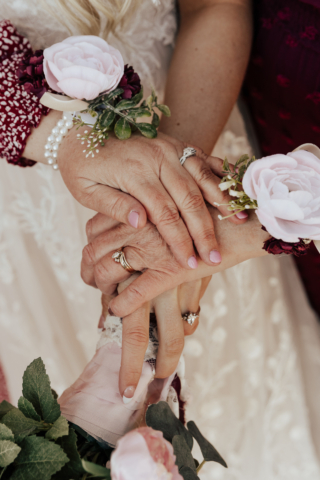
{"x":83,"y":67}
{"x":144,"y":454}
{"x":287,"y":189}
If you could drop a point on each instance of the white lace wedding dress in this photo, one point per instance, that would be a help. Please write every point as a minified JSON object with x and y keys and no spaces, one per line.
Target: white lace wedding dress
{"x":254,"y":364}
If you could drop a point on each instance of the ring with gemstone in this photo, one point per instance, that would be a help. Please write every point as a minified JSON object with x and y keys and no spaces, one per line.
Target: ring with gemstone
{"x":119,"y":257}
{"x":188,"y":152}
{"x":191,"y":317}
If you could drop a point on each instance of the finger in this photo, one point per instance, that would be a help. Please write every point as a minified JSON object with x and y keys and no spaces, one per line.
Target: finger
{"x":105,"y":299}
{"x":108,"y":274}
{"x":149,"y":285}
{"x":194,"y":211}
{"x":170,"y":333}
{"x":189,"y":299}
{"x":115,"y":204}
{"x":135,"y":339}
{"x":98,"y":224}
{"x":163,"y":212}
{"x":204,"y":171}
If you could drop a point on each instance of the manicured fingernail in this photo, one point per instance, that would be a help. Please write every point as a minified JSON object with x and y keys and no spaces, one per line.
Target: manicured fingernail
{"x":134,"y":219}
{"x":111,"y":312}
{"x":215,"y":256}
{"x":128,"y":394}
{"x":242,"y":215}
{"x":192,"y":262}
{"x":236,"y":169}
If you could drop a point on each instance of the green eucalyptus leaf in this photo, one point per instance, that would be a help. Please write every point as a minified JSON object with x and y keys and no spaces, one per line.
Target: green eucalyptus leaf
{"x":139,"y":112}
{"x":165,"y":110}
{"x":5,"y":407}
{"x":20,"y":425}
{"x":182,"y":453}
{"x":160,"y":417}
{"x":8,"y":452}
{"x":6,"y":433}
{"x":96,"y":470}
{"x":36,"y":388}
{"x":147,"y":130}
{"x":188,"y":474}
{"x":60,"y":428}
{"x":39,"y":459}
{"x":155,"y":120}
{"x":210,"y":454}
{"x":28,"y":409}
{"x":122,"y":129}
{"x":107,"y":118}
{"x":73,"y":469}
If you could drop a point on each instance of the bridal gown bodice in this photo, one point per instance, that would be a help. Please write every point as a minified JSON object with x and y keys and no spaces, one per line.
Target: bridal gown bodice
{"x":253,"y":366}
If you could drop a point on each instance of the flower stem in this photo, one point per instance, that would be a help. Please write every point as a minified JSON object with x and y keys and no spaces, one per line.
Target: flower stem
{"x":201,"y":465}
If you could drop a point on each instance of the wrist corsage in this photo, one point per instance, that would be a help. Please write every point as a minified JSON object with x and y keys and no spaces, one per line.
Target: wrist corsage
{"x":89,"y":79}
{"x":284,"y":192}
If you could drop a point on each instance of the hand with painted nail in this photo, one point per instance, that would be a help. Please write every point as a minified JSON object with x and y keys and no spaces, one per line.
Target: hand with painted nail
{"x":168,"y":310}
{"x":136,"y":180}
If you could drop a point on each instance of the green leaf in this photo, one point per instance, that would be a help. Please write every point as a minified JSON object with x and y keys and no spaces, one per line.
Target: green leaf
{"x":6,"y":433}
{"x":182,"y":453}
{"x":36,"y":388}
{"x":125,"y":105}
{"x":188,"y":474}
{"x":27,"y":409}
{"x":155,"y":120}
{"x":210,"y":454}
{"x":107,"y":118}
{"x":39,"y":459}
{"x":242,"y":159}
{"x":225,"y":165}
{"x":139,"y":112}
{"x":159,"y":416}
{"x":60,"y":428}
{"x":54,"y":393}
{"x":122,"y":129}
{"x":96,"y":470}
{"x":20,"y":425}
{"x":8,"y":452}
{"x":73,"y":469}
{"x":165,"y":110}
{"x":137,"y":98}
{"x":115,"y":93}
{"x":5,"y":407}
{"x":147,"y":130}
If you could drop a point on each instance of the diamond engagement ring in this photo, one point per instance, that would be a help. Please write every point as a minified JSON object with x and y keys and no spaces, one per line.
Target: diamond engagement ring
{"x":187,"y":152}
{"x":191,"y":317}
{"x":119,"y":257}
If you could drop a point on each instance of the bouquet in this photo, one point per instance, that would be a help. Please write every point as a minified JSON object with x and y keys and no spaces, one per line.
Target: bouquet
{"x":284,"y":192}
{"x":38,"y":443}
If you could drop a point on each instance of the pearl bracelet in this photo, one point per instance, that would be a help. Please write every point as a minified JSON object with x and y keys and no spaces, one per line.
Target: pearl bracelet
{"x":56,"y":137}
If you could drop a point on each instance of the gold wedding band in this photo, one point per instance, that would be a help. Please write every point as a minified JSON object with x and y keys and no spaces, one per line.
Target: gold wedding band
{"x":119,"y":257}
{"x":191,"y":317}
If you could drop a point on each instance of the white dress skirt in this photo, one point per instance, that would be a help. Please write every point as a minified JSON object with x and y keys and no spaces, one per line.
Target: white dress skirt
{"x":253,"y":366}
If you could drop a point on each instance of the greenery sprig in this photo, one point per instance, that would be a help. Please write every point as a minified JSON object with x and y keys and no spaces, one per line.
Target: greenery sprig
{"x":37,"y":442}
{"x":117,"y":115}
{"x":232,"y":181}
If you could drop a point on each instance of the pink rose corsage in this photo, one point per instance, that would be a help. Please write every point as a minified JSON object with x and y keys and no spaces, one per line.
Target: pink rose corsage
{"x":88,"y":77}
{"x":284,"y":191}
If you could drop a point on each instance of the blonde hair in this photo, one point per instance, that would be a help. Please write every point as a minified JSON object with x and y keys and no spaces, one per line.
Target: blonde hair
{"x":85,"y":15}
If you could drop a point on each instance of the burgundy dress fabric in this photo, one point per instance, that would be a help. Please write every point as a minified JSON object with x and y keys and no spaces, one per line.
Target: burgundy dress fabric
{"x":4,"y":394}
{"x":282,"y":91}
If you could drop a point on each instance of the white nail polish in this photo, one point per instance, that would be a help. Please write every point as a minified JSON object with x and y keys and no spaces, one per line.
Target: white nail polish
{"x":126,"y":400}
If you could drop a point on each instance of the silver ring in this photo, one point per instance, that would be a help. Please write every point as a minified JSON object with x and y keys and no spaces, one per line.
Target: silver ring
{"x":191,"y":317}
{"x":119,"y":257}
{"x":188,"y":152}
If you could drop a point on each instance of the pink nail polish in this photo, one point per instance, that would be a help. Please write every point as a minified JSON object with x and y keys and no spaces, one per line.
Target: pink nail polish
{"x":192,"y":262}
{"x":215,"y":257}
{"x":134,"y":219}
{"x":128,"y":394}
{"x":242,"y":215}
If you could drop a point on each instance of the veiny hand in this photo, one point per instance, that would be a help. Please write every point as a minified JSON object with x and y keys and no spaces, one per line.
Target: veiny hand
{"x":168,"y":308}
{"x":132,"y":180}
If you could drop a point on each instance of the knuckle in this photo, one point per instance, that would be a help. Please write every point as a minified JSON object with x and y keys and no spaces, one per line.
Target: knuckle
{"x":101,"y":273}
{"x":136,"y":337}
{"x":88,"y":255}
{"x":119,"y":208}
{"x":193,"y":201}
{"x":89,"y":229}
{"x":86,"y":277}
{"x":169,"y":216}
{"x":174,"y":346}
{"x":207,"y":235}
{"x":205,"y":175}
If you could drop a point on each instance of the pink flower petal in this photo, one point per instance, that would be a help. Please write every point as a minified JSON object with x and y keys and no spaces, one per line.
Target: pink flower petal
{"x":81,"y":89}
